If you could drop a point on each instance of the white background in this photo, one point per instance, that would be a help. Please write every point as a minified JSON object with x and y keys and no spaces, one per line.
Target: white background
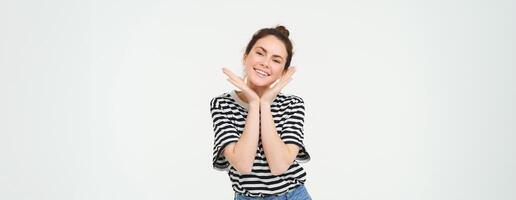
{"x":110,"y":99}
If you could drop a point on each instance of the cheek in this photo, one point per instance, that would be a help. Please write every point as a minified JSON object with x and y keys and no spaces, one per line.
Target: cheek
{"x":251,"y":60}
{"x":278,"y":73}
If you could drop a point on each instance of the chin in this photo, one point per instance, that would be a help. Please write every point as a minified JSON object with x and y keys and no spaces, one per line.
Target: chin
{"x":260,"y":82}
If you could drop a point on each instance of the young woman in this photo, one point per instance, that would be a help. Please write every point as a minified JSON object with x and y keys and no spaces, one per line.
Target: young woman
{"x":259,"y":130}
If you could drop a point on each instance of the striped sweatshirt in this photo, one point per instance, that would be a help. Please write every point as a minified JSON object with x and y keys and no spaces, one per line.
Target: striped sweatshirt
{"x":229,"y":113}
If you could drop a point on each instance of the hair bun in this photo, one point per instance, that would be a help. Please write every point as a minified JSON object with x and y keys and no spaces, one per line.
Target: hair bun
{"x":282,"y":30}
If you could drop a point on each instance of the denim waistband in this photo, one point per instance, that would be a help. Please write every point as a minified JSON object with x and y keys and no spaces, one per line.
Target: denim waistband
{"x":276,"y":195}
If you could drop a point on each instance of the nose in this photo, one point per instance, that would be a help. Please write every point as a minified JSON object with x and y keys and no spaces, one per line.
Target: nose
{"x":264,"y":63}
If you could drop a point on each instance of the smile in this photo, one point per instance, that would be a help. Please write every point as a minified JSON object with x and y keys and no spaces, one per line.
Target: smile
{"x":261,"y":73}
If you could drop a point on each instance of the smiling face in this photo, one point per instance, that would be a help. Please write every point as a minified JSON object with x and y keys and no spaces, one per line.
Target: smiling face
{"x":265,"y":63}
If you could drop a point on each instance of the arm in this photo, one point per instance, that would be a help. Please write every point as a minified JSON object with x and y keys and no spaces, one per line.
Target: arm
{"x":242,"y":153}
{"x":278,"y":154}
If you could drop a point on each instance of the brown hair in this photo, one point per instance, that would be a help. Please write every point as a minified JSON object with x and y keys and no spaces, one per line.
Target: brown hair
{"x":279,"y":32}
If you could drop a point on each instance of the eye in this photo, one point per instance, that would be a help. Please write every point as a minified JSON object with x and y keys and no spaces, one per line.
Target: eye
{"x":259,"y":53}
{"x":277,"y":61}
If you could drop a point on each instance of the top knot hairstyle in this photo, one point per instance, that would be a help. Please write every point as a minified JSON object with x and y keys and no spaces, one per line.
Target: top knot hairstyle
{"x":279,"y":32}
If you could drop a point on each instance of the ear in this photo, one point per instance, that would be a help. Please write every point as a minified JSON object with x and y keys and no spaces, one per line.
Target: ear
{"x":243,"y":58}
{"x":285,"y":69}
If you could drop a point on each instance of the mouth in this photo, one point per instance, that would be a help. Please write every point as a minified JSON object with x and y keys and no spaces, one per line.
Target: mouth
{"x":261,"y":73}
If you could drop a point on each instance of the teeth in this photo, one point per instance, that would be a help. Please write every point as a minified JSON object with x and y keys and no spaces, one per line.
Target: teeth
{"x":261,"y":72}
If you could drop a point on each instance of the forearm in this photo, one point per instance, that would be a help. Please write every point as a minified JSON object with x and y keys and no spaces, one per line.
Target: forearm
{"x":278,"y":155}
{"x":242,"y":154}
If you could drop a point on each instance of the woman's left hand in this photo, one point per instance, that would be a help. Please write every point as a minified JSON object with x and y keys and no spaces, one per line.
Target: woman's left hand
{"x":271,"y":93}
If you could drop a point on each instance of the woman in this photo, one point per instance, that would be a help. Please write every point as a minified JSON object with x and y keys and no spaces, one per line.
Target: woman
{"x":259,"y":130}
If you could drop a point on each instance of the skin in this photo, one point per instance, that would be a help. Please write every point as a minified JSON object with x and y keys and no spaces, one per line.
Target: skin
{"x":268,"y":54}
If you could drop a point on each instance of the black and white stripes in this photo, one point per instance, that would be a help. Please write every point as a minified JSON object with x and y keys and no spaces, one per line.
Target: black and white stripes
{"x":229,"y":114}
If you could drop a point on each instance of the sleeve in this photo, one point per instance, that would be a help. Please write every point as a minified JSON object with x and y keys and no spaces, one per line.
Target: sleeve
{"x":224,"y":133}
{"x":292,"y":132}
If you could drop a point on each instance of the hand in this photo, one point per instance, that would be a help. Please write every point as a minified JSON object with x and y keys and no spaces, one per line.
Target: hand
{"x":250,"y":95}
{"x":270,"y":94}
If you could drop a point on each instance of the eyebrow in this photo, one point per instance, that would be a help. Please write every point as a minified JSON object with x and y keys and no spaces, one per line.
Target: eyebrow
{"x":263,"y":49}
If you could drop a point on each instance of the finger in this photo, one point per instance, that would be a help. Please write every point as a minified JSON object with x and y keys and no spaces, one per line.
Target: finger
{"x":288,"y":74}
{"x":283,"y":83}
{"x":234,"y":79}
{"x":235,"y":83}
{"x":291,"y":71}
{"x":239,"y":83}
{"x":230,"y":74}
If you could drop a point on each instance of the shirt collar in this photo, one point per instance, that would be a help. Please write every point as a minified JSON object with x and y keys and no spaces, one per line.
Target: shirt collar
{"x":238,"y":100}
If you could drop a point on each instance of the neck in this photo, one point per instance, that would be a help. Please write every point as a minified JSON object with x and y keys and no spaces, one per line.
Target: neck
{"x":258,"y":90}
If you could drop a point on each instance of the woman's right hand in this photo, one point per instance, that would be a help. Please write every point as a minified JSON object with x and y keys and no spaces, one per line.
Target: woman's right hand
{"x":250,"y":95}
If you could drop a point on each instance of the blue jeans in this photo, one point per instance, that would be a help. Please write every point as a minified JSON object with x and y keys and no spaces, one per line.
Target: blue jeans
{"x":298,"y":193}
